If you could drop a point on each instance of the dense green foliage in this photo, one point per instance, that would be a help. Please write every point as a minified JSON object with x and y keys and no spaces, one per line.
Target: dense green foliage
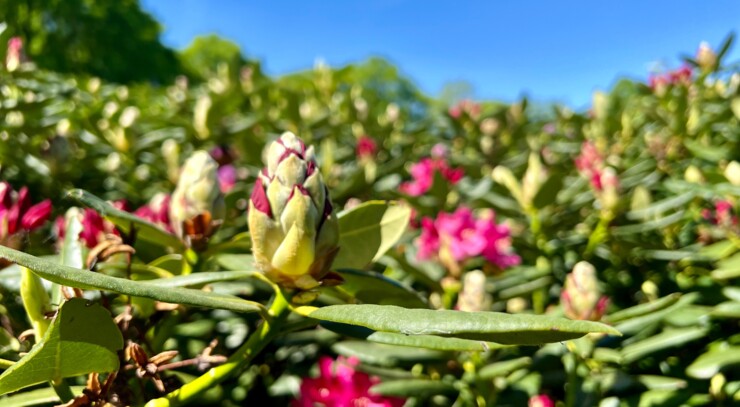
{"x":664,"y":240}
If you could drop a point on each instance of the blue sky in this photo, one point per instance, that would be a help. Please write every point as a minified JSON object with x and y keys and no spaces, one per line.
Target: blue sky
{"x":548,"y":50}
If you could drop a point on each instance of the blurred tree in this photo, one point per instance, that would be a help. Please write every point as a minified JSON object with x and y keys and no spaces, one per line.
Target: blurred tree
{"x":114,"y":40}
{"x":201,"y":59}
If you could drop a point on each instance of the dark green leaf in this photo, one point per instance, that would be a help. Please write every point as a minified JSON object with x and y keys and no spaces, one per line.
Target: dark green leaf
{"x":367,"y":231}
{"x":82,"y":339}
{"x":85,"y":279}
{"x":485,"y":326}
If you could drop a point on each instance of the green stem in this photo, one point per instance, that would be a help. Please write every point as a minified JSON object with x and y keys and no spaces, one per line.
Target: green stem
{"x":5,"y":363}
{"x":242,"y":357}
{"x":62,"y":389}
{"x":571,"y":367}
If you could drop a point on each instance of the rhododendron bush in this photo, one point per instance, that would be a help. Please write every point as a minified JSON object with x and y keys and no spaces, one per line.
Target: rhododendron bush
{"x":336,"y":238}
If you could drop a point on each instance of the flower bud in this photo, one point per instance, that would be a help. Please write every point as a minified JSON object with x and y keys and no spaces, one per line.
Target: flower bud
{"x":732,"y":173}
{"x":197,"y":206}
{"x":293,"y":229}
{"x":706,"y":57}
{"x":581,"y":297}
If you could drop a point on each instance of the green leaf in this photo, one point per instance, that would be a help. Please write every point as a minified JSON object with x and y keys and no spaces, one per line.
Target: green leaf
{"x":145,"y":230}
{"x":367,"y":231}
{"x":667,"y":339}
{"x":727,"y":309}
{"x":44,"y":396}
{"x":417,"y":388}
{"x":548,"y":191}
{"x":82,"y":339}
{"x":714,"y":361}
{"x":504,"y":368}
{"x":636,"y":324}
{"x":235,"y":262}
{"x":88,"y":280}
{"x":373,"y":288}
{"x":388,"y":355}
{"x":643,"y":309}
{"x":432,"y":342}
{"x":727,"y":268}
{"x":496,"y":327}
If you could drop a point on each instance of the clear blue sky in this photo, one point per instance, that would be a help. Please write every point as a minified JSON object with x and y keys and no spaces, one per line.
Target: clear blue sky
{"x":548,"y":50}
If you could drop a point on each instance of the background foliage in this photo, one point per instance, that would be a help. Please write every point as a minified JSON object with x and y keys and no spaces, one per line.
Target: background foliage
{"x":93,"y":111}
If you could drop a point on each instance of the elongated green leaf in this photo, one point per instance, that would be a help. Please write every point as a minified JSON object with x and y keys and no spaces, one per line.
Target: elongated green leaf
{"x":82,"y":339}
{"x":373,"y":288}
{"x":432,"y":342}
{"x":36,"y":397}
{"x":504,"y":368}
{"x":667,"y":339}
{"x":367,"y":231}
{"x":199,"y":279}
{"x":642,"y":309}
{"x":144,"y":230}
{"x":235,"y":262}
{"x":485,"y":326}
{"x":420,"y":388}
{"x":634,"y":325}
{"x":727,"y":309}
{"x":388,"y":355}
{"x":712,"y":362}
{"x":658,"y":208}
{"x":85,"y":279}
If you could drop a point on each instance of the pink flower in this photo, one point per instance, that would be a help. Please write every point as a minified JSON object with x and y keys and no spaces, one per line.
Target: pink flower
{"x":722,"y":215}
{"x":460,"y":236}
{"x":17,"y":215}
{"x":94,"y":226}
{"x":680,"y":76}
{"x":366,"y":148}
{"x":590,"y":164}
{"x":541,"y":400}
{"x":14,"y":55}
{"x":157,"y":211}
{"x":226,"y":177}
{"x":423,"y":176}
{"x":469,"y":107}
{"x":340,"y":385}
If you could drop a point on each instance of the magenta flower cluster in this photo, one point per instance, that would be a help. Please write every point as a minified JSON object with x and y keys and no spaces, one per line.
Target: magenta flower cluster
{"x":17,"y":215}
{"x":423,"y":175}
{"x":461,"y":235}
{"x":340,"y":385}
{"x":366,"y":148}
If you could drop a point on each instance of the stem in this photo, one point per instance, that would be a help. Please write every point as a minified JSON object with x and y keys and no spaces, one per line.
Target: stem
{"x":62,"y":389}
{"x":241,"y":358}
{"x":5,"y":363}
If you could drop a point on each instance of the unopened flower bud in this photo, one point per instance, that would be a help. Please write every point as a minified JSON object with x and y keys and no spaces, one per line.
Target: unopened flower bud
{"x":197,"y":206}
{"x":706,"y":57}
{"x":581,"y":296}
{"x":732,"y":173}
{"x":294,"y":231}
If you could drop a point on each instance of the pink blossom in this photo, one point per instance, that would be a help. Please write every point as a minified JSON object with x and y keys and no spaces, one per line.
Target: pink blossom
{"x":440,"y":150}
{"x":590,"y":164}
{"x":94,"y":226}
{"x":462,"y":236}
{"x":14,"y":55}
{"x":423,"y":175}
{"x":469,"y":107}
{"x":157,"y":211}
{"x":340,"y":385}
{"x":226,"y":177}
{"x":722,"y":214}
{"x":366,"y":148}
{"x":17,"y":215}
{"x":541,"y":400}
{"x":680,"y":76}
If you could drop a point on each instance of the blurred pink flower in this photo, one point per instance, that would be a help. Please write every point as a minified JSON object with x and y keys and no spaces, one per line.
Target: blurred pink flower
{"x":461,"y":236}
{"x":366,"y":148}
{"x":680,"y":76}
{"x":14,"y":55}
{"x":17,"y":215}
{"x":722,"y":215}
{"x":340,"y":385}
{"x":541,"y":400}
{"x":227,"y":177}
{"x":590,"y":163}
{"x":94,"y":226}
{"x":423,"y":175}
{"x":439,"y":150}
{"x":157,"y":211}
{"x":469,"y":107}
